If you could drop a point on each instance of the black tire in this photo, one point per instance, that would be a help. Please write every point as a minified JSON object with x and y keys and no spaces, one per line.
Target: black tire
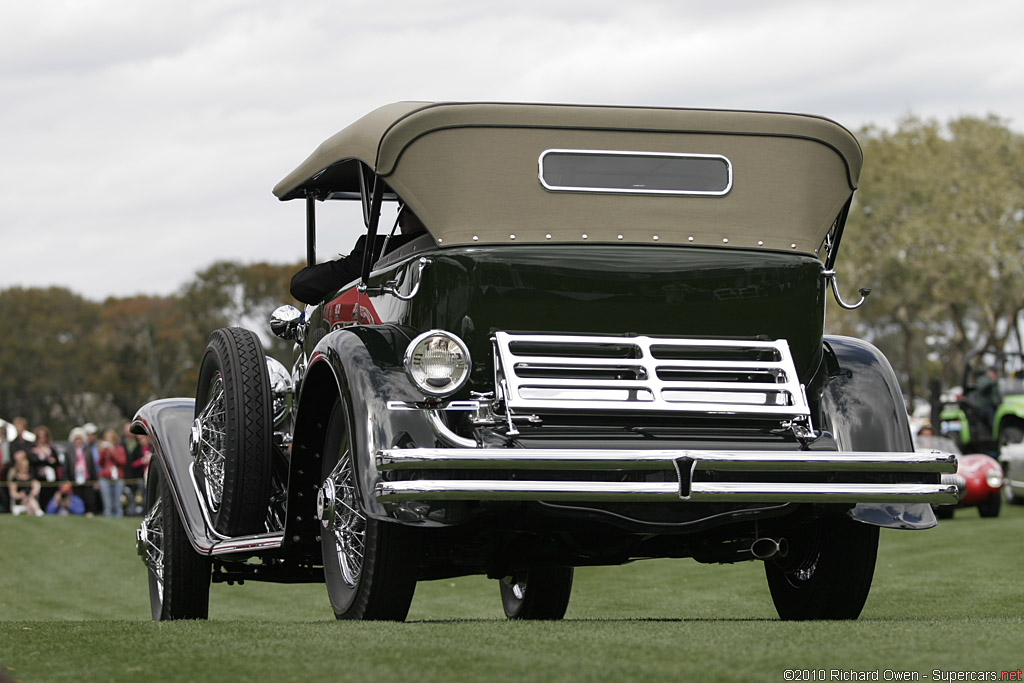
{"x":179,"y":578}
{"x":370,"y":566}
{"x":991,"y":507}
{"x":945,"y":511}
{"x":232,"y":437}
{"x":537,"y":594}
{"x":826,"y":573}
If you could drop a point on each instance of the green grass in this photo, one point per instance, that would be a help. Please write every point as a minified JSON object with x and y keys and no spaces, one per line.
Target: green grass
{"x":74,"y":606}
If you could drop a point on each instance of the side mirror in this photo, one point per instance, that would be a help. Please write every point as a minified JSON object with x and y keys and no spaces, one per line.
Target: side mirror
{"x":286,"y":323}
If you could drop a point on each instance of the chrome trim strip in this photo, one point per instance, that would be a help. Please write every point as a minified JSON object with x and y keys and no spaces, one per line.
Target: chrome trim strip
{"x":783,"y":399}
{"x":739,"y":492}
{"x":625,"y":190}
{"x":584,"y":459}
{"x":248,"y":543}
{"x":443,"y":405}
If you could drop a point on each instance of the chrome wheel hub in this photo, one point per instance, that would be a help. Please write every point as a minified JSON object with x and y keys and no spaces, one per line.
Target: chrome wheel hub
{"x":517,"y":584}
{"x":325,"y":500}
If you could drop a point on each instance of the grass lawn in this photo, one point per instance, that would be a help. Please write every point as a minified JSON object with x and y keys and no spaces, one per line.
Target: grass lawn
{"x":74,"y":606}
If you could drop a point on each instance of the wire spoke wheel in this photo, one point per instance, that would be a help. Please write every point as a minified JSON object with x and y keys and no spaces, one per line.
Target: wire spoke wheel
{"x":150,"y":542}
{"x":342,"y":520}
{"x":370,"y":566}
{"x":179,"y":578}
{"x":208,"y":432}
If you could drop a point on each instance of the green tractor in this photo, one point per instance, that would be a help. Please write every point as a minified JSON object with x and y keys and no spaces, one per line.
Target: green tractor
{"x":990,"y":411}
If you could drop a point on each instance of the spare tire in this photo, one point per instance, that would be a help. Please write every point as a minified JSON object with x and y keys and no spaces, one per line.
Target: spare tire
{"x":232,"y":436}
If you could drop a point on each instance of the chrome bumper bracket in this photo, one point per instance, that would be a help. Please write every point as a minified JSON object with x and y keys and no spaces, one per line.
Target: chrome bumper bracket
{"x":685,"y":467}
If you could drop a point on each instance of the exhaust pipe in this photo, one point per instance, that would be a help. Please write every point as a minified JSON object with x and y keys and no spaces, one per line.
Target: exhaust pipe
{"x":767,"y":548}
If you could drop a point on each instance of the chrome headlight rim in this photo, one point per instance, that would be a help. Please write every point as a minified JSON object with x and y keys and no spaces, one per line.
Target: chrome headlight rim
{"x":413,"y":359}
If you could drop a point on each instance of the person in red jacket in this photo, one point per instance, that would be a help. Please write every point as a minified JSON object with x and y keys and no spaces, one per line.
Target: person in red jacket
{"x":112,"y":462}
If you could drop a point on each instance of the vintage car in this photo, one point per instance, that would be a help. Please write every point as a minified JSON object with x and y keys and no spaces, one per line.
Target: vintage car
{"x":608,"y":345}
{"x":978,"y":478}
{"x":981,"y":429}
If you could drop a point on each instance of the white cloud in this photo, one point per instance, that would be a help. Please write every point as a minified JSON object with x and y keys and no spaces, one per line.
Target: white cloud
{"x":140,"y":141}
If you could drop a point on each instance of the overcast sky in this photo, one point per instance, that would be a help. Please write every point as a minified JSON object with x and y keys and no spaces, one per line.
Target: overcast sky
{"x":140,"y":140}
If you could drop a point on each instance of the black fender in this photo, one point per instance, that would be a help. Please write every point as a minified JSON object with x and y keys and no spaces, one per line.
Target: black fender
{"x":863,"y":407}
{"x":168,"y":423}
{"x":364,"y":365}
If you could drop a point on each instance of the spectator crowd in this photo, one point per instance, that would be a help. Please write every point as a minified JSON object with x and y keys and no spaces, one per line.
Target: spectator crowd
{"x":92,"y":473}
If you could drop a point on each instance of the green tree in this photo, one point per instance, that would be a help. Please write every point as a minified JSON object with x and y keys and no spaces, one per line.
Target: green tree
{"x":936,"y":232}
{"x":48,"y":356}
{"x":147,"y":351}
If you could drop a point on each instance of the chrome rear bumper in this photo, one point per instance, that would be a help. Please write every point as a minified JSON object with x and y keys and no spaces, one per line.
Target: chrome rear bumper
{"x":682,"y":487}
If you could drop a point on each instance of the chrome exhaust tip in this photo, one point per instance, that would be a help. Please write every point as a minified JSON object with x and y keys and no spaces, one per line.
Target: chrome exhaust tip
{"x":767,"y":548}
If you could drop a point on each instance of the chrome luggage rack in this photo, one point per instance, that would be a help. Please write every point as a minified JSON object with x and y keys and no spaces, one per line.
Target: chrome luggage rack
{"x":708,"y":376}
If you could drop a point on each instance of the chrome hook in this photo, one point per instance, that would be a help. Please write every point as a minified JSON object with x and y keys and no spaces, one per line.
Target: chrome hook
{"x":864,"y":292}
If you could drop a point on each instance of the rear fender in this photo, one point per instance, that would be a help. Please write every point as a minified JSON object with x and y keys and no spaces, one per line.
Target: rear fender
{"x":863,"y":407}
{"x":167,"y":423}
{"x":363,"y":364}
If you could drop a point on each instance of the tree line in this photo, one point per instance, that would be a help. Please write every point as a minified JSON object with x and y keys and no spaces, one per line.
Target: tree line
{"x":936,"y":230}
{"x":66,"y":360}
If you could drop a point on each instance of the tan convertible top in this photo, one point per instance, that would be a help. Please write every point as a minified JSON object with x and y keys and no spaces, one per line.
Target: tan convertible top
{"x":470,"y":171}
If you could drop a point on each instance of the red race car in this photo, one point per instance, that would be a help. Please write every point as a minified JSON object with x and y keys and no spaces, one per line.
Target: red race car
{"x":978,"y":477}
